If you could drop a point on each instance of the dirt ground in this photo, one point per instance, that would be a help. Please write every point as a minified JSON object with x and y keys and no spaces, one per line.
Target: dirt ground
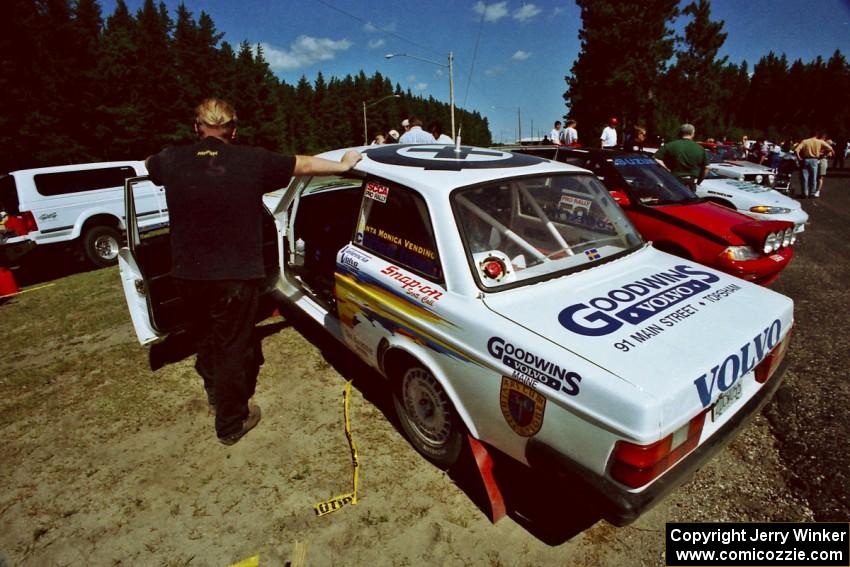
{"x":106,"y":462}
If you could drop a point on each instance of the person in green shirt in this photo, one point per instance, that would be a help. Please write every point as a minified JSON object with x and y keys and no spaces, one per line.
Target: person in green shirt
{"x":684,"y":158}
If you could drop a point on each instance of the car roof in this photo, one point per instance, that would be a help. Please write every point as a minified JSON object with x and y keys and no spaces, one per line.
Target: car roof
{"x":441,"y":168}
{"x":597,"y":152}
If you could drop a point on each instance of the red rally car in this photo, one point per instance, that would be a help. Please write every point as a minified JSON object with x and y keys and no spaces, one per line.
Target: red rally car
{"x":677,"y":221}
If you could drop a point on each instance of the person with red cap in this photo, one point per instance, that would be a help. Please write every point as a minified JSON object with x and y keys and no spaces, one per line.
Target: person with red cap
{"x":608,"y":139}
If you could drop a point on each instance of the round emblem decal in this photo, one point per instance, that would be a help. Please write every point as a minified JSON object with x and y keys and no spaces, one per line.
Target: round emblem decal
{"x":522,"y":407}
{"x":448,"y":157}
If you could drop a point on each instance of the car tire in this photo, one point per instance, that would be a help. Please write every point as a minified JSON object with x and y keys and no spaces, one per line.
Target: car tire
{"x":101,"y":245}
{"x":427,"y":416}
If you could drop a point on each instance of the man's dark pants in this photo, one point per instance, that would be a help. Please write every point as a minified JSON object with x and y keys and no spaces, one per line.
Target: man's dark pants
{"x":222,"y":314}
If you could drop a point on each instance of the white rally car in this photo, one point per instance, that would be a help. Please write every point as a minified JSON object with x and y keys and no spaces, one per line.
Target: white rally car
{"x":752,"y":199}
{"x":726,"y":161}
{"x":509,"y":297}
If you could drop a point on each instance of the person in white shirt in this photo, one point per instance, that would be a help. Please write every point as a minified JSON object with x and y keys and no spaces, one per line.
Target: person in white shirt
{"x":570,"y":133}
{"x":608,"y":139}
{"x":556,"y":135}
{"x":416,"y":135}
{"x":437,"y":131}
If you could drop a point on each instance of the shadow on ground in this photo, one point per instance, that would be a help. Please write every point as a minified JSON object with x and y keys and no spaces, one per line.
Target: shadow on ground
{"x":552,"y":508}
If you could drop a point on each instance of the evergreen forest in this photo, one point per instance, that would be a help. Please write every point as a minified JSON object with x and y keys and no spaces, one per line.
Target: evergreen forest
{"x":78,"y":87}
{"x":633,"y":66}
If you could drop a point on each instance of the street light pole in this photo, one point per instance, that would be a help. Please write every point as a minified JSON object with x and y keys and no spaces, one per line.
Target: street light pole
{"x":450,"y":66}
{"x":365,"y":106}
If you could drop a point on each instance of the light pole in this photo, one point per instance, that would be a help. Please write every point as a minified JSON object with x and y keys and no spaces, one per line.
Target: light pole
{"x":450,"y":66}
{"x":365,"y":106}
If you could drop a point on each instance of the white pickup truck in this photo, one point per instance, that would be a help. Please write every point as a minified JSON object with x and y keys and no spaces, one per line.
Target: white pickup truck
{"x":81,"y":204}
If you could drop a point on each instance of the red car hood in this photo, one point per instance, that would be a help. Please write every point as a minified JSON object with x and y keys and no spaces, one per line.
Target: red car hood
{"x":710,"y":217}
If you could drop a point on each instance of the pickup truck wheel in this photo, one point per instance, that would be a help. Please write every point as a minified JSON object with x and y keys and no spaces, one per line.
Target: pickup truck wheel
{"x":101,"y":245}
{"x":427,"y":416}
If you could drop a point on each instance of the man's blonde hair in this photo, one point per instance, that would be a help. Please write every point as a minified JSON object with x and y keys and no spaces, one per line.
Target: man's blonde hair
{"x":215,"y":112}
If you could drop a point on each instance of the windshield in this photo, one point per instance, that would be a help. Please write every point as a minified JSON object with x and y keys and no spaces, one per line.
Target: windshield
{"x":524,"y":229}
{"x":650,"y":184}
{"x":724,"y":153}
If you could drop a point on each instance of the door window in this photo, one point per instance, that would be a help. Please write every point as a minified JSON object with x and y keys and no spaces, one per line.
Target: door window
{"x":394,"y":223}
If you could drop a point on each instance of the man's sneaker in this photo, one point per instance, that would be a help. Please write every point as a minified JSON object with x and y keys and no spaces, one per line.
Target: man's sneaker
{"x":248,"y":424}
{"x":816,"y":195}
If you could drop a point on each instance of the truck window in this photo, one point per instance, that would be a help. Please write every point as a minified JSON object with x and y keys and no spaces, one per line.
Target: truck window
{"x":65,"y":182}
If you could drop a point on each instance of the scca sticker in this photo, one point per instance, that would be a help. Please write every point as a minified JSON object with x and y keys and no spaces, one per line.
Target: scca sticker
{"x":522,"y":407}
{"x":377,"y":191}
{"x":635,"y":302}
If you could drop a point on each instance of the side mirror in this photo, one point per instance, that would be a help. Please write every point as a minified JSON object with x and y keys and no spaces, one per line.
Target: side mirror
{"x":621,"y":198}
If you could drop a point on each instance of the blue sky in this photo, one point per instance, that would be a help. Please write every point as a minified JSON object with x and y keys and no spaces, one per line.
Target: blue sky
{"x":524,"y":49}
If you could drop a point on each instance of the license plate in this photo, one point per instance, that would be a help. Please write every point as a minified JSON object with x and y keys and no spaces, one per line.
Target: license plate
{"x":725,"y":401}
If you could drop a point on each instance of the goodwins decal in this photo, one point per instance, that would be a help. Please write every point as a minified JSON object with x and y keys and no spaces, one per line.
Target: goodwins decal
{"x":600,"y":315}
{"x":738,"y":364}
{"x":529,"y":368}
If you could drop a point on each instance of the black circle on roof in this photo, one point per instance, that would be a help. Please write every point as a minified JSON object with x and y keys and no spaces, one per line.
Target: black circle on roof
{"x":447,"y":157}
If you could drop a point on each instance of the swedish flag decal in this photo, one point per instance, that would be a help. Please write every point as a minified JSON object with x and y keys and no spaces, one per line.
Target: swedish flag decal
{"x":592,"y":254}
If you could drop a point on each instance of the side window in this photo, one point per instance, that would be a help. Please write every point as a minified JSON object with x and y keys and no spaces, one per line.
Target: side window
{"x":64,"y":182}
{"x":395,"y":224}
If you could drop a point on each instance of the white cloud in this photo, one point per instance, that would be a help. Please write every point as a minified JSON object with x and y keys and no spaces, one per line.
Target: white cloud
{"x":557,"y":11}
{"x":411,"y":78}
{"x":494,"y":71}
{"x":303,"y":52}
{"x":420,"y":86}
{"x":376,"y":43}
{"x":520,"y":55}
{"x":369,"y":27}
{"x":527,"y":12}
{"x":492,"y":12}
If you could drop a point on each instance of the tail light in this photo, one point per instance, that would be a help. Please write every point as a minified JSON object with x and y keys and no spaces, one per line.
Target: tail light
{"x":21,"y":224}
{"x":637,"y":465}
{"x":771,"y":362}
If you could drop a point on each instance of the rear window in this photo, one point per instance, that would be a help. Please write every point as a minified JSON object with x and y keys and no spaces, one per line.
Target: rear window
{"x":395,"y":223}
{"x":65,"y":182}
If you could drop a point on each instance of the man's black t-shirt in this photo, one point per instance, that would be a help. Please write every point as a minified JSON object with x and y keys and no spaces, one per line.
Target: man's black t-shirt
{"x":214,"y":194}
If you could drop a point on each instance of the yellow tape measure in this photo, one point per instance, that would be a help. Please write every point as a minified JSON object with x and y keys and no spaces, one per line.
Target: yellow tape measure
{"x":337,"y":502}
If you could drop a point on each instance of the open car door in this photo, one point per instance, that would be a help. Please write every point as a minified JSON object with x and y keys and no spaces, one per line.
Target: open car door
{"x":156,"y":308}
{"x":145,"y":265}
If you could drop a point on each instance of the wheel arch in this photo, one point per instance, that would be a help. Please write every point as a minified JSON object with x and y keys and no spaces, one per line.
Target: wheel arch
{"x":100,"y":219}
{"x":394,"y":358}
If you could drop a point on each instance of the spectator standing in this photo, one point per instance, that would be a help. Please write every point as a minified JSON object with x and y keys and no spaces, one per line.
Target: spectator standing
{"x":823,"y":163}
{"x":634,"y":141}
{"x":556,"y":136}
{"x":392,"y":137}
{"x":220,"y":276}
{"x":436,"y":130}
{"x":685,"y":159}
{"x":808,"y":152}
{"x":570,"y":133}
{"x":608,"y":139}
{"x":840,"y":152}
{"x":415,"y":134}
{"x":379,"y":139}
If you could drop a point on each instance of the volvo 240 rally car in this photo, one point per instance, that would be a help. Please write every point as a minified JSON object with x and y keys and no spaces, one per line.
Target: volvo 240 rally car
{"x":510,"y":298}
{"x":677,"y":221}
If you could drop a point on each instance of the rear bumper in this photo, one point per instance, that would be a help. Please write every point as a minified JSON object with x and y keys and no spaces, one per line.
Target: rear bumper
{"x":621,"y":506}
{"x":12,"y":249}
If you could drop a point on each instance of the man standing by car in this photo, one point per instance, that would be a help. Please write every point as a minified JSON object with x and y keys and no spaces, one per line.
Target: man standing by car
{"x":608,"y":139}
{"x":219,"y":271}
{"x":684,"y":158}
{"x":808,"y":152}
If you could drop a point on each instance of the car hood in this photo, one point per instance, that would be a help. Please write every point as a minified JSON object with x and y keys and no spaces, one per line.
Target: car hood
{"x":742,"y":167}
{"x":745,"y":195}
{"x":661,"y":323}
{"x":708,"y":217}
